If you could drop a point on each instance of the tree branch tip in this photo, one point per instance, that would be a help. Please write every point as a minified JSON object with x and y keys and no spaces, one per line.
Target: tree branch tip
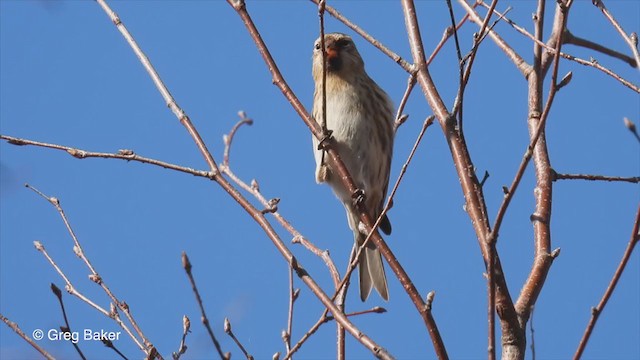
{"x":429,"y":300}
{"x":505,"y":190}
{"x":401,"y":120}
{"x":485,"y":177}
{"x":186,"y":263}
{"x":296,"y":293}
{"x":276,"y":356}
{"x":598,"y":4}
{"x":186,"y":324}
{"x":56,"y":290}
{"x":38,"y":245}
{"x":379,"y":310}
{"x":285,"y":336}
{"x":227,"y":326}
{"x":565,"y":80}
{"x":555,"y":253}
{"x":629,"y":125}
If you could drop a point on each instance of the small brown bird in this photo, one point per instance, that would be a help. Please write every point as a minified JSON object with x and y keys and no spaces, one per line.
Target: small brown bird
{"x":360,"y":116}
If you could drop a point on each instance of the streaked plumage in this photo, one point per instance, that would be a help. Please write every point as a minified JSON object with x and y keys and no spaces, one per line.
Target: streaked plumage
{"x":360,"y":114}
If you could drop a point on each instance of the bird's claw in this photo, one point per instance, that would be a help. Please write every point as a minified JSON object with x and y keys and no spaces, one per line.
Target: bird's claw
{"x":325,"y":139}
{"x":357,"y":197}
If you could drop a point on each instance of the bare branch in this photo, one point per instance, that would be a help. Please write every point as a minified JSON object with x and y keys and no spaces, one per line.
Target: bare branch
{"x":67,"y":328}
{"x":592,"y":63}
{"x":13,"y":326}
{"x":628,"y":39}
{"x":124,"y":154}
{"x":148,"y":347}
{"x":570,"y":38}
{"x":186,"y":328}
{"x":227,"y":329}
{"x":596,"y":311}
{"x":228,"y":139}
{"x":517,"y":60}
{"x":400,"y":118}
{"x":632,"y":128}
{"x":186,"y":265}
{"x":543,"y":192}
{"x":632,"y":179}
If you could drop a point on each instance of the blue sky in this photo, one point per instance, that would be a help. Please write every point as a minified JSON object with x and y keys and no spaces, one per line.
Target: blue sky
{"x":68,"y":77}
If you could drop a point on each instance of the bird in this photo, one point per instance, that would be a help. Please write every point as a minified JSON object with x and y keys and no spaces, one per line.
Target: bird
{"x":359,"y":115}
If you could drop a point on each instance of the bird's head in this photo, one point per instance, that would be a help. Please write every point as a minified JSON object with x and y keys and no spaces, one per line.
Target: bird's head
{"x":342,"y":57}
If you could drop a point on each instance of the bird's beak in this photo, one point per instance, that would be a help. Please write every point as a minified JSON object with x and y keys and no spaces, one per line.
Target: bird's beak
{"x":331,"y":52}
{"x":334,"y":62}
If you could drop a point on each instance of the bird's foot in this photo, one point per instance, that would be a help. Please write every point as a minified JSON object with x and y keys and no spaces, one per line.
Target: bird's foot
{"x":357,"y":197}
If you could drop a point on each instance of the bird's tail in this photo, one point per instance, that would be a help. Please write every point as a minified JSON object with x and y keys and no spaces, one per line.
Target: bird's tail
{"x":371,"y":270}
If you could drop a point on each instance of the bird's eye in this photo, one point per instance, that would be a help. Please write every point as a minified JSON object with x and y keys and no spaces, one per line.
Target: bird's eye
{"x":317,"y":46}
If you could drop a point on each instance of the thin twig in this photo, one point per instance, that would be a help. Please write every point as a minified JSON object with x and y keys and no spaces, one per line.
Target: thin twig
{"x":632,"y":179}
{"x":535,"y":136}
{"x":186,"y":328}
{"x":228,"y":138}
{"x":292,"y":298}
{"x":570,"y":38}
{"x":124,"y":154}
{"x":109,"y":344}
{"x":400,"y":118}
{"x":592,"y":63}
{"x":13,"y":326}
{"x":631,"y":127}
{"x":323,"y":121}
{"x":148,"y":347}
{"x":67,"y":328}
{"x":446,"y":35}
{"x":596,"y":311}
{"x":186,"y":265}
{"x":229,"y":331}
{"x":632,"y":44}
{"x":72,"y":290}
{"x":533,"y":341}
{"x":322,"y":320}
{"x":517,"y":60}
{"x":373,"y":310}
